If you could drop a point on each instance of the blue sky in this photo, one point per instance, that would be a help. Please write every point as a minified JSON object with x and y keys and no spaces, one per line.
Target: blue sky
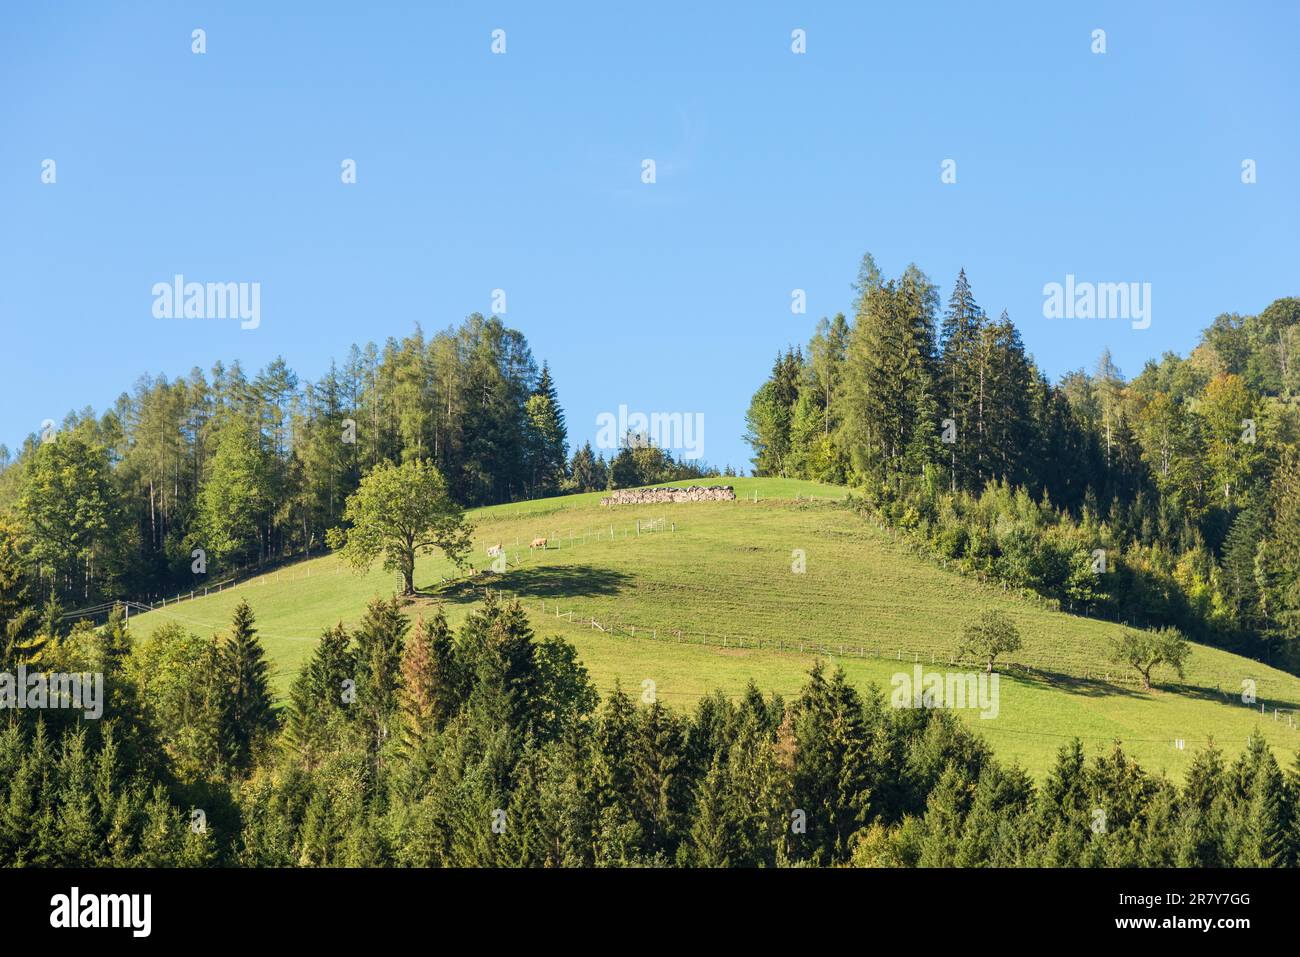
{"x":522,"y":171}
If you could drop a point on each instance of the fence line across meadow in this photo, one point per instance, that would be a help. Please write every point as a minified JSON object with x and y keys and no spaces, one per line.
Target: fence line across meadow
{"x":1046,"y":665}
{"x":638,"y":528}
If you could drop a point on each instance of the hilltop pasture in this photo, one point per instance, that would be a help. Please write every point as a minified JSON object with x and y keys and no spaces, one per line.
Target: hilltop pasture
{"x":706,"y":596}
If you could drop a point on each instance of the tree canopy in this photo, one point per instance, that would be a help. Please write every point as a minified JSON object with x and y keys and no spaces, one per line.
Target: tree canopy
{"x":397,"y":513}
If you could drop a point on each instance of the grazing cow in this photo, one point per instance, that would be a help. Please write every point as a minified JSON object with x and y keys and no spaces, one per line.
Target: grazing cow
{"x":538,"y":543}
{"x":494,"y":550}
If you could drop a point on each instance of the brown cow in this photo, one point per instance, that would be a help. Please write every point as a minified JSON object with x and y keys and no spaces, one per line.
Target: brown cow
{"x":538,"y":543}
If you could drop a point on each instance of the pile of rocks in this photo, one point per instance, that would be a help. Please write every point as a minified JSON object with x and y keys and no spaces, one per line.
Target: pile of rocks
{"x":657,"y":496}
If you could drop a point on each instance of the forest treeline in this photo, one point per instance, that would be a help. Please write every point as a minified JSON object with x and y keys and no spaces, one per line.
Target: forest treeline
{"x":253,"y":469}
{"x":408,"y":744}
{"x":1168,"y":498}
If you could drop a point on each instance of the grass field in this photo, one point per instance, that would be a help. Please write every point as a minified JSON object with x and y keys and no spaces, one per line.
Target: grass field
{"x":721,"y":574}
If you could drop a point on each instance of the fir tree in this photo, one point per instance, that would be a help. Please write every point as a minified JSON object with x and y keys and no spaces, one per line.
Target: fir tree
{"x":427,"y":695}
{"x":249,"y":716}
{"x":319,"y":692}
{"x":379,"y":639}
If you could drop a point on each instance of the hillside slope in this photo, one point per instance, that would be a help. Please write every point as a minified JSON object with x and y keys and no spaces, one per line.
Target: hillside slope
{"x":705,"y":596}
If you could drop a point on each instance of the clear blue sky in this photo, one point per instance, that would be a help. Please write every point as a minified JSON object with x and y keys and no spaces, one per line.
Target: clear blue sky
{"x":475,"y":171}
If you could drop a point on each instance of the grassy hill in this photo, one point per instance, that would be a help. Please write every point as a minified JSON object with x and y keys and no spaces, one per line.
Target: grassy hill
{"x":704,"y":597}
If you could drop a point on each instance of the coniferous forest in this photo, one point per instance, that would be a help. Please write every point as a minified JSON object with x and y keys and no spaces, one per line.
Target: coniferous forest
{"x":1183,"y":478}
{"x":403,"y":744}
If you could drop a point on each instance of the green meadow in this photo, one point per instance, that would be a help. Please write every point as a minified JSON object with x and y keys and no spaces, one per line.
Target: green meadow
{"x":701,"y":596}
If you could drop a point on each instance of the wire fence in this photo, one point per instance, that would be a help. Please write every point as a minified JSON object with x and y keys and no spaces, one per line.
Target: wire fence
{"x":1052,"y":667}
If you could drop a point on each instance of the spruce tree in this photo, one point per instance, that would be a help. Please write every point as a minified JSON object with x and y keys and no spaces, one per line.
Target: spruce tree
{"x":959,"y":343}
{"x":20,"y":640}
{"x":379,"y":639}
{"x":583,"y":476}
{"x":713,"y":830}
{"x":832,"y":777}
{"x":1202,"y":820}
{"x":319,"y":692}
{"x":660,"y":789}
{"x":1265,"y":810}
{"x":1065,"y":818}
{"x":248,"y":716}
{"x":547,"y":438}
{"x":427,"y":693}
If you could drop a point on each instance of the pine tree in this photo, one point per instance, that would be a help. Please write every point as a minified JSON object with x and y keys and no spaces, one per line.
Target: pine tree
{"x":1007,"y":434}
{"x":1279,"y":558}
{"x":713,"y":831}
{"x":249,"y":716}
{"x":1266,"y":837}
{"x":1202,"y":824}
{"x":888,"y":379}
{"x":769,"y":415}
{"x":547,"y":438}
{"x":43,"y":634}
{"x":319,"y":692}
{"x":959,"y":340}
{"x":660,"y":790}
{"x":379,"y":639}
{"x":20,"y":640}
{"x":583,"y":474}
{"x":1065,"y":816}
{"x":115,"y":642}
{"x":613,"y":767}
{"x":510,"y":665}
{"x":1239,"y":552}
{"x":428,"y":686}
{"x":832,"y":780}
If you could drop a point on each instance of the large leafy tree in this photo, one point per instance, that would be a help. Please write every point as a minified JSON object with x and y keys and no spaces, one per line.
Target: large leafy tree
{"x":1143,"y":651}
{"x":990,"y":635}
{"x":69,"y":507}
{"x":397,"y":513}
{"x":1232,"y":452}
{"x":181,"y":683}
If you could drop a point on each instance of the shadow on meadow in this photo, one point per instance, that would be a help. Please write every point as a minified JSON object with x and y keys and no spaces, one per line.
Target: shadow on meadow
{"x":567,"y":581}
{"x":1099,"y":687}
{"x":1088,"y":687}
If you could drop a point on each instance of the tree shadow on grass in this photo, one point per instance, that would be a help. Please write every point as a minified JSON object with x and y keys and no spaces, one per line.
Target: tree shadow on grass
{"x":1089,"y":687}
{"x":1227,"y":696}
{"x":548,"y":581}
{"x":1099,"y":687}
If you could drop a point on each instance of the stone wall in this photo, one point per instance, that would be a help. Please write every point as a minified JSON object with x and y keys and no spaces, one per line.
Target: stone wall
{"x":657,"y":496}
